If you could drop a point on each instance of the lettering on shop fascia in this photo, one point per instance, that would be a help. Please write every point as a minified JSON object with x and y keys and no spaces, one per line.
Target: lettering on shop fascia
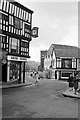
{"x":15,"y":58}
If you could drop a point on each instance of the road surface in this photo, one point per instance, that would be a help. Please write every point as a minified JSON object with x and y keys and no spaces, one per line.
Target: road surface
{"x":43,"y":101}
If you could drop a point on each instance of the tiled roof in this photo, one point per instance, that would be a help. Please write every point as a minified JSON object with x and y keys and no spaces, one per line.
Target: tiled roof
{"x":64,"y":51}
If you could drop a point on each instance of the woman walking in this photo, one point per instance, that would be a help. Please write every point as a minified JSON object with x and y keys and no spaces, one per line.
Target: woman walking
{"x":70,"y":82}
{"x":76,"y":79}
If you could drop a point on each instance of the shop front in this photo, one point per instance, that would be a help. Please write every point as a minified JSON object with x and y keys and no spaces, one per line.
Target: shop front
{"x":16,"y":68}
{"x":63,"y":74}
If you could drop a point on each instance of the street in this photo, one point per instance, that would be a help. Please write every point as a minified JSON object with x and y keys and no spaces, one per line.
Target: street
{"x":43,"y":101}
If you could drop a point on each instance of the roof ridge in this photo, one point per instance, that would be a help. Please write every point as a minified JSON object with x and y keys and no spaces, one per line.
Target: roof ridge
{"x":65,"y":45}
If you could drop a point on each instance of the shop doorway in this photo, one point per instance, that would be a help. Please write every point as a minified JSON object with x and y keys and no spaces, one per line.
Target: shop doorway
{"x":4,"y":72}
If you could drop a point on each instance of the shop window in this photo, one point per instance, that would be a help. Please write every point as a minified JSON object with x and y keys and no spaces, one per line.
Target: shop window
{"x":66,"y":74}
{"x":66,"y":63}
{"x":14,"y":70}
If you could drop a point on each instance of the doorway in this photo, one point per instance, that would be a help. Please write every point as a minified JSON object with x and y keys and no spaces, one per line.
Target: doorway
{"x":4,"y":72}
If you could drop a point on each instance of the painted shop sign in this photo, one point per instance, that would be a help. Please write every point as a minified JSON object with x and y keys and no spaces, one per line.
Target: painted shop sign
{"x":35,"y":32}
{"x":16,"y":58}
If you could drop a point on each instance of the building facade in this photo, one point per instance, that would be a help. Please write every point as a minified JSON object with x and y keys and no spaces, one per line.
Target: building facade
{"x":62,"y":60}
{"x":42,"y":56}
{"x":15,"y":36}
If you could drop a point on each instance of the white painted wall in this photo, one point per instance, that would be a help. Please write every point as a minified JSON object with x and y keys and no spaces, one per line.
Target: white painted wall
{"x":78,"y":64}
{"x":47,"y":61}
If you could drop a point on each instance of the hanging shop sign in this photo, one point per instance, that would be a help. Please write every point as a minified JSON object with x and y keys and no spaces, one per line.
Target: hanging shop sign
{"x":35,"y":32}
{"x":4,"y":61}
{"x":16,"y":58}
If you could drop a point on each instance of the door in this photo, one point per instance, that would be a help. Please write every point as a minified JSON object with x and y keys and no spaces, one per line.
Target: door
{"x":4,"y":72}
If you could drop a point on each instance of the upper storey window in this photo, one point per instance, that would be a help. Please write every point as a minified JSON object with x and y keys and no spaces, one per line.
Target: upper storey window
{"x":66,"y":63}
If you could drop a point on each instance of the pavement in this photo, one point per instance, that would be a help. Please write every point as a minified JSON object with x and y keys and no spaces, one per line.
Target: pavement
{"x":12,"y":84}
{"x":71,"y":94}
{"x":15,"y":85}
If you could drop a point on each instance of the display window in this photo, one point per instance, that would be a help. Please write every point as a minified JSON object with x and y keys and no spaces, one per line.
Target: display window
{"x":14,"y":70}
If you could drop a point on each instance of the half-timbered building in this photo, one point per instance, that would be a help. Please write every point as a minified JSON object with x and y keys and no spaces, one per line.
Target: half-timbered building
{"x":15,"y":37}
{"x":62,"y":60}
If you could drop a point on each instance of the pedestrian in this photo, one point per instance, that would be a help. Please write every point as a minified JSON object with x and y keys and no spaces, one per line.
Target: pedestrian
{"x":76,"y":79}
{"x":37,"y":79}
{"x":70,"y":80}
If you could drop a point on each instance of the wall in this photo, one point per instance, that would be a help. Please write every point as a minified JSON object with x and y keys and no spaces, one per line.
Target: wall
{"x":78,"y":64}
{"x":47,"y":61}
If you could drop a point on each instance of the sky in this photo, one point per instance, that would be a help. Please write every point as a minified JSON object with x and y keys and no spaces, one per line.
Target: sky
{"x":57,"y":22}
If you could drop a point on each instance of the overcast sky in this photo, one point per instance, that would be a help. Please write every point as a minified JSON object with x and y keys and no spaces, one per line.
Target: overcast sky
{"x":57,"y":22}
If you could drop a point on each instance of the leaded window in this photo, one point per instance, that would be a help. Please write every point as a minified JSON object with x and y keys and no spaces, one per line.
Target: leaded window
{"x":14,"y":45}
{"x":24,"y":48}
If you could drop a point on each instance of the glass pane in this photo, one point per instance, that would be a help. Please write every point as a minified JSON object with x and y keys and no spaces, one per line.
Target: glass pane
{"x":4,"y":6}
{"x":29,"y":17}
{"x":7,"y":6}
{"x":1,"y":2}
{"x":10,"y":8}
{"x":15,"y":11}
{"x":3,"y":27}
{"x":6,"y":28}
{"x":10,"y":19}
{"x":14,"y":41}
